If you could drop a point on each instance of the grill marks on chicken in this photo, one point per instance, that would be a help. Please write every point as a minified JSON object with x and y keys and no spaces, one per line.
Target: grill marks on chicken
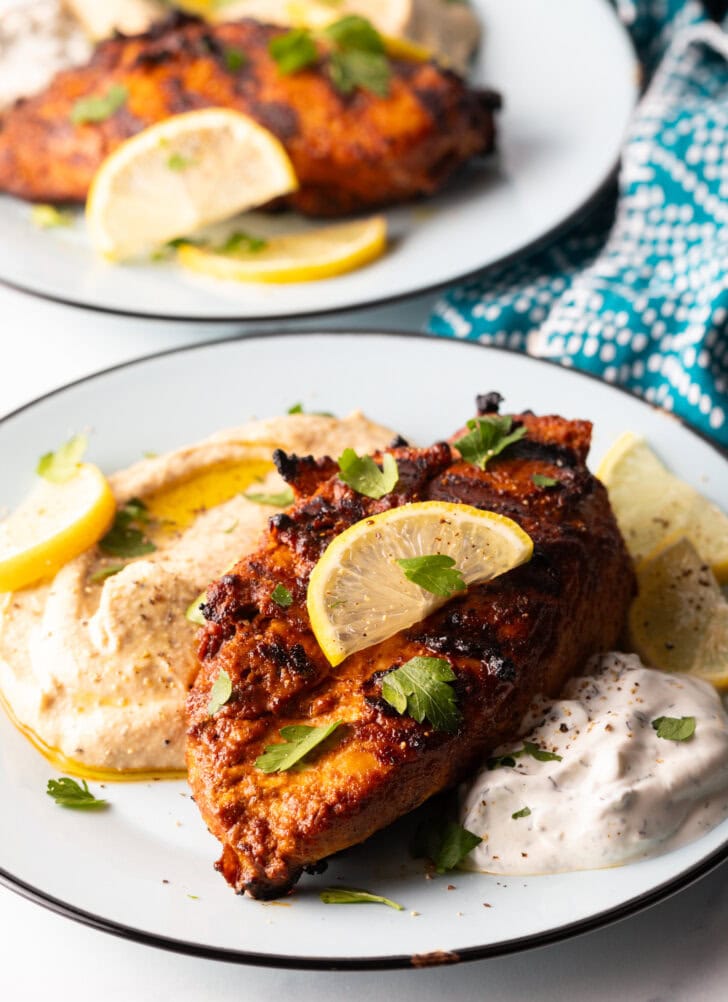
{"x":508,"y":640}
{"x":350,"y":153}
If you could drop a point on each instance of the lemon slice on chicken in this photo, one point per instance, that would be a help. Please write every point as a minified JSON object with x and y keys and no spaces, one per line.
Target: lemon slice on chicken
{"x":358,"y":595}
{"x":295,"y":257}
{"x":653,"y":506}
{"x":181,"y":174}
{"x":55,"y":523}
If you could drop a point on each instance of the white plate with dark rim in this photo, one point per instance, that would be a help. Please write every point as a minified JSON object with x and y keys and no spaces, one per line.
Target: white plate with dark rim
{"x":143,"y":869}
{"x":569,"y":79}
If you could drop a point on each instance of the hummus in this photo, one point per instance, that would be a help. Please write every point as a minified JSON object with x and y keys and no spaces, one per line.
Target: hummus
{"x":95,"y":670}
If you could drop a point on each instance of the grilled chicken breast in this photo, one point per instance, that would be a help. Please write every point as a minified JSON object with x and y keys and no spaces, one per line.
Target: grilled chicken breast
{"x":522,"y":634}
{"x":350,"y":153}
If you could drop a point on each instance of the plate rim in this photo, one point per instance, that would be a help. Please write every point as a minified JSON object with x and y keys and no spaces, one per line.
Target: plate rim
{"x":587,"y":205}
{"x":625,"y":909}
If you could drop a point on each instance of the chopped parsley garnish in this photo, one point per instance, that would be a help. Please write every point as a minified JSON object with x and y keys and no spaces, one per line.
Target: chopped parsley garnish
{"x":241,"y":242}
{"x":177,"y":162}
{"x":436,"y":573}
{"x":61,"y":465}
{"x":523,"y":813}
{"x":299,"y":740}
{"x":193,"y":613}
{"x":68,"y":793}
{"x":281,"y":596}
{"x":295,"y":409}
{"x":444,"y":842}
{"x":356,"y":50}
{"x":280,"y":500}
{"x":48,"y":217}
{"x":541,"y":480}
{"x":222,"y":690}
{"x":126,"y":536}
{"x":354,"y":896}
{"x":106,"y":572}
{"x":421,"y":688}
{"x":488,"y":436}
{"x":529,"y":748}
{"x":674,"y":728}
{"x":234,"y":59}
{"x":299,"y":409}
{"x":363,"y":475}
{"x":98,"y":109}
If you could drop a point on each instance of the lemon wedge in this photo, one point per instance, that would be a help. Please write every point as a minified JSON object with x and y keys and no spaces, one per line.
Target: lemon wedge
{"x":296,"y":257}
{"x":653,"y":506}
{"x":358,"y":595}
{"x":181,"y":174}
{"x":679,"y":620}
{"x":55,"y":523}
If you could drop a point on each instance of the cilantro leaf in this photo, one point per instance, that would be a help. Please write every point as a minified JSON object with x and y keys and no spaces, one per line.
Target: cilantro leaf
{"x":293,"y":51}
{"x":359,"y":68}
{"x":241,"y":242}
{"x":488,"y":436}
{"x":193,"y":612}
{"x":540,"y":480}
{"x":125,"y":538}
{"x":523,"y":813}
{"x":68,"y":793}
{"x":61,"y":465}
{"x":354,"y":896}
{"x":99,"y":108}
{"x":234,"y":59}
{"x":222,"y":690}
{"x":295,"y":409}
{"x":178,"y":162}
{"x":421,"y":689}
{"x":444,"y":842}
{"x":674,"y":728}
{"x":106,"y":572}
{"x":363,"y":475}
{"x":48,"y":217}
{"x":281,"y":500}
{"x":355,"y":32}
{"x":299,"y":409}
{"x":299,"y":741}
{"x":529,"y":748}
{"x":435,"y":573}
{"x":281,"y":596}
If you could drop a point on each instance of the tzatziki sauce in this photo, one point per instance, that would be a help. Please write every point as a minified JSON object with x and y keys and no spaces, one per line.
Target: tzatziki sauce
{"x":609,"y":789}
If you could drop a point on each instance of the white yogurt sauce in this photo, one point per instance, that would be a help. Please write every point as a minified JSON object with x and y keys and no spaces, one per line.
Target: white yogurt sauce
{"x":620,"y":793}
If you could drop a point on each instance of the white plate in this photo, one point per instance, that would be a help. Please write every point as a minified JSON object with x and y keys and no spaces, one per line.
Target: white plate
{"x":569,"y":80}
{"x":110,"y":869}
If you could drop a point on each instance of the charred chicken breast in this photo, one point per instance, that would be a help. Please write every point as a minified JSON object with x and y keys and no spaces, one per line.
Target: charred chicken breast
{"x":521,"y":634}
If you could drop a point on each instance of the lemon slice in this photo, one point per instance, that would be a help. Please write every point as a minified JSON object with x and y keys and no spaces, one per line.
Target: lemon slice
{"x":679,"y":620}
{"x":652,"y":505}
{"x":181,"y":174}
{"x":55,"y":523}
{"x":297,"y":257}
{"x":358,"y":595}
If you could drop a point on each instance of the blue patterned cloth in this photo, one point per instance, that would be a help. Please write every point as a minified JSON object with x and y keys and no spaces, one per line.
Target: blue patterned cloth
{"x":638,"y":291}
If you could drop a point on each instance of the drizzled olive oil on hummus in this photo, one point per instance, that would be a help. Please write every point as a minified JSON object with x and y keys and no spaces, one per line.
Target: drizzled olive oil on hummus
{"x":95,"y":665}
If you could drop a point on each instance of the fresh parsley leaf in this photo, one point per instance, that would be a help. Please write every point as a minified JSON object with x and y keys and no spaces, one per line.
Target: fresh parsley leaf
{"x":125,"y":538}
{"x":529,"y":748}
{"x":299,"y":741}
{"x":355,"y":32}
{"x":435,"y":573}
{"x":68,"y":793}
{"x":295,"y":409}
{"x":106,"y":572}
{"x":293,"y":51}
{"x":354,"y":896}
{"x":48,"y":217}
{"x":674,"y":728}
{"x":98,"y":109}
{"x":240,"y":242}
{"x":299,"y":409}
{"x":540,"y":480}
{"x":281,"y":596}
{"x":359,"y":68}
{"x":363,"y":475}
{"x":281,"y":500}
{"x":61,"y":465}
{"x":193,"y":613}
{"x":177,"y":162}
{"x":222,"y":690}
{"x":234,"y":59}
{"x":523,"y":813}
{"x":443,"y":841}
{"x":421,"y":688}
{"x":488,"y":436}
